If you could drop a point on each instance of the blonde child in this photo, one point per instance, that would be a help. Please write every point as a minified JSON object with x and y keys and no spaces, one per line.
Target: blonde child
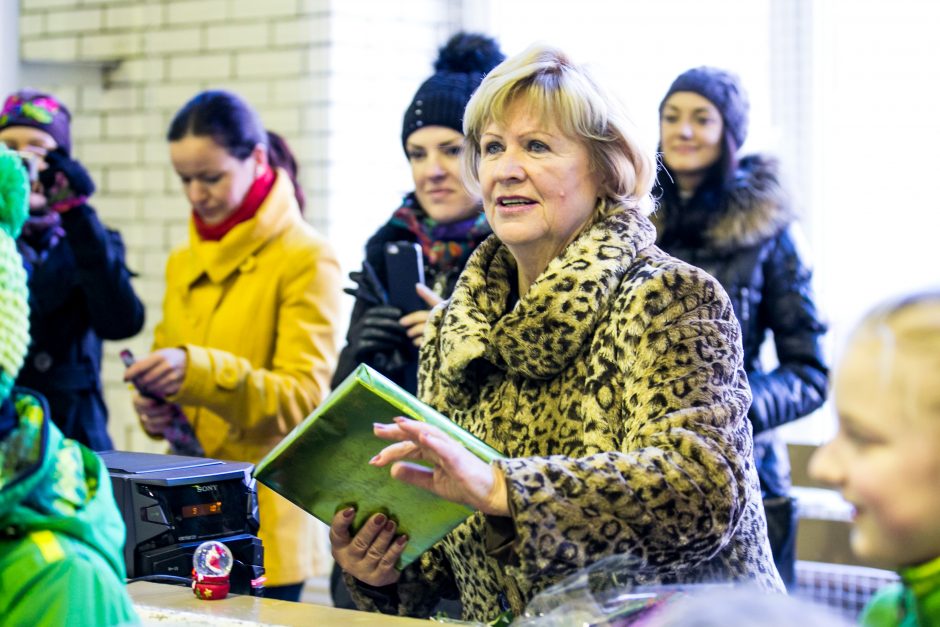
{"x":885,"y":458}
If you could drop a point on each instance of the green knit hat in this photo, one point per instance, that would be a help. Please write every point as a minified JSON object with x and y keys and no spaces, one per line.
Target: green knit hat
{"x":14,"y":295}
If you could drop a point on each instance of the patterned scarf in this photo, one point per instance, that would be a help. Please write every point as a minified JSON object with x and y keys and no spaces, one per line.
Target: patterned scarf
{"x":41,"y":233}
{"x":445,"y":246}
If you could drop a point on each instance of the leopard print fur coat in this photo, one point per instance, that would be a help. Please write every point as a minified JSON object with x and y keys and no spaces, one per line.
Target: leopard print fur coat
{"x":615,"y":388}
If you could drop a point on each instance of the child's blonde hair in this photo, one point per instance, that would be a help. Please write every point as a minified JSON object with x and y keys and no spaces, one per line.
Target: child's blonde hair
{"x":909,"y":327}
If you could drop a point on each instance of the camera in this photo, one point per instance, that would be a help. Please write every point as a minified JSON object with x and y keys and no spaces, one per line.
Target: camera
{"x":31,"y":163}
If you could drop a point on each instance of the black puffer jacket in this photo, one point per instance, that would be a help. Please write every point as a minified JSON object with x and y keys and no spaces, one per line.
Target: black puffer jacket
{"x":79,"y":294}
{"x":743,"y":233}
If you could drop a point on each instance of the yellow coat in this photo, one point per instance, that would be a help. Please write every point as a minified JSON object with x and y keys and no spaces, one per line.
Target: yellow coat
{"x":256,"y":314}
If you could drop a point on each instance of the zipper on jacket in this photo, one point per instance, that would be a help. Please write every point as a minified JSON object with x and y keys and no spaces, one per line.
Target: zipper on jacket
{"x":745,"y":314}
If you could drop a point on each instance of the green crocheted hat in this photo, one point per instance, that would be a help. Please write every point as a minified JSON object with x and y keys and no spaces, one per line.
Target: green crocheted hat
{"x":14,"y":295}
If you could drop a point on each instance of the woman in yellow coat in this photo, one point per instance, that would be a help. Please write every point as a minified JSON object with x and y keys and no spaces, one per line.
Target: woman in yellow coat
{"x":247,"y":341}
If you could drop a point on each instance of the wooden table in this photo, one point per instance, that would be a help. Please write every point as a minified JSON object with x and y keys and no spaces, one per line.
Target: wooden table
{"x":163,"y":604}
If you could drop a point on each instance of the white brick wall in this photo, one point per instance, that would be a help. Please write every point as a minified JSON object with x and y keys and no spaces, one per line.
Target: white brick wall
{"x":133,"y":15}
{"x":47,"y":48}
{"x":170,"y":40}
{"x":87,"y":20}
{"x":332,"y":77}
{"x":239,"y":36}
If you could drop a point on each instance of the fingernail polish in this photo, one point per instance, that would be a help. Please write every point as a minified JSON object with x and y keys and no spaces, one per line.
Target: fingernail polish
{"x":390,"y":526}
{"x":375,"y":458}
{"x":380,"y":520}
{"x":349,"y":512}
{"x":402,"y":539}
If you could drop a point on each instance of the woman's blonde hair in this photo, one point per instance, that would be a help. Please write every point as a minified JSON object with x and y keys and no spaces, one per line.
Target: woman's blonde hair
{"x":560,"y":91}
{"x":910,"y":327}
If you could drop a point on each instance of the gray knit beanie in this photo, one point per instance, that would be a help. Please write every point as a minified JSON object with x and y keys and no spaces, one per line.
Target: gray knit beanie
{"x":723,"y":89}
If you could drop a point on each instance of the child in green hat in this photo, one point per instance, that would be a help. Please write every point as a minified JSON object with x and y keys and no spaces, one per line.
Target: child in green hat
{"x":61,"y":536}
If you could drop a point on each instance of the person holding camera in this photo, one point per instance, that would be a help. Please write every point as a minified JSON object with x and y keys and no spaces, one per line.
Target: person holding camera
{"x":80,"y":290}
{"x":440,"y":215}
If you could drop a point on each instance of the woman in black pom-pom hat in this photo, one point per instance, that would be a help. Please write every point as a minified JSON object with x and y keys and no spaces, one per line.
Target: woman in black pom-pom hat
{"x":440,"y":215}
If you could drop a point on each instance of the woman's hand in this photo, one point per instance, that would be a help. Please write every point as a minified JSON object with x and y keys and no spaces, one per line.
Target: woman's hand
{"x":160,"y":373}
{"x":371,"y":555}
{"x":65,"y":182}
{"x":457,"y":474}
{"x":416,"y":320}
{"x":155,"y":416}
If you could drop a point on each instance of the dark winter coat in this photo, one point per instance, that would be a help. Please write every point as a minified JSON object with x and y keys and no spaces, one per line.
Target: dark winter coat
{"x":442,"y":284}
{"x":743,"y":234}
{"x":615,"y":388}
{"x":79,"y":295}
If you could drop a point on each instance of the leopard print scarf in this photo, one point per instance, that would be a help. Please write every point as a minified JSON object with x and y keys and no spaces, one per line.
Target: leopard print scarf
{"x":564,"y":303}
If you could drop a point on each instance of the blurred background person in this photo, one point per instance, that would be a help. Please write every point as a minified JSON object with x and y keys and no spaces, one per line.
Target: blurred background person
{"x":79,"y":285}
{"x":608,"y":372}
{"x":61,"y":550}
{"x":440,"y":214}
{"x":247,"y":340}
{"x":885,"y":458}
{"x":731,"y":217}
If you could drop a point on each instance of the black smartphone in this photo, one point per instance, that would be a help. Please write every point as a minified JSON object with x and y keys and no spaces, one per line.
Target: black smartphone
{"x":404,"y":266}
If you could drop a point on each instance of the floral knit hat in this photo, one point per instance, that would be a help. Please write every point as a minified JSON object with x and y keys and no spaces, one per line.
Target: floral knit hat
{"x":29,"y":107}
{"x":14,"y":295}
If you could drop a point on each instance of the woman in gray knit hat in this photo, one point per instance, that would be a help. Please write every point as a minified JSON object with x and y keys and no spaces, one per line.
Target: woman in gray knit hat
{"x":730,"y":216}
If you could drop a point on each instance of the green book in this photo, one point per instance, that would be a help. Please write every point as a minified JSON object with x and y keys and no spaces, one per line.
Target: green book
{"x":323,"y":464}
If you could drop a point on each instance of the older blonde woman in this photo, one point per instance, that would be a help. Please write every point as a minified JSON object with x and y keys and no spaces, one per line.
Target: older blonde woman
{"x":608,"y":372}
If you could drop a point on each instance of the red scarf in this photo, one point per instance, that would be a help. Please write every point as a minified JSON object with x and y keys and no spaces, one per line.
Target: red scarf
{"x":255,"y":195}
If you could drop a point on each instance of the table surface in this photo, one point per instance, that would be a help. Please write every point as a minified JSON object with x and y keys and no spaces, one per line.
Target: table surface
{"x":164,"y":604}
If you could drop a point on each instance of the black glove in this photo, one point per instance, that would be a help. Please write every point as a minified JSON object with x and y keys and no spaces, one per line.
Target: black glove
{"x":378,"y":331}
{"x":368,"y":287}
{"x":65,"y":181}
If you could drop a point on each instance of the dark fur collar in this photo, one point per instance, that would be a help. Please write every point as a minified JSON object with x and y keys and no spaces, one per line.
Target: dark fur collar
{"x":754,"y":206}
